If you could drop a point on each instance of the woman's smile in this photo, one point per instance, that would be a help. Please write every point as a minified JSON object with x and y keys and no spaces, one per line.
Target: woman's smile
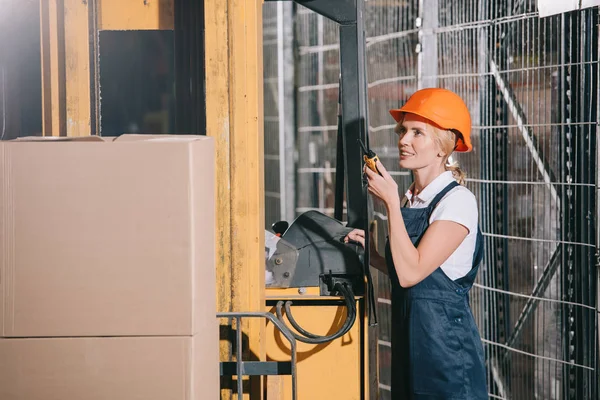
{"x":405,"y":154}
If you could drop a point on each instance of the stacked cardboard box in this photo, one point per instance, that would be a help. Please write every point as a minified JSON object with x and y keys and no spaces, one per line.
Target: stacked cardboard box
{"x":107,"y":269}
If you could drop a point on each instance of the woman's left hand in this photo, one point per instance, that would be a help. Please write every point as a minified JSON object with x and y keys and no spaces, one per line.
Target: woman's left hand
{"x":383,"y":186}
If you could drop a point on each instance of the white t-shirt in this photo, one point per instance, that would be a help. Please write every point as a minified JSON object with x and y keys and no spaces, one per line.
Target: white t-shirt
{"x":459,"y":205}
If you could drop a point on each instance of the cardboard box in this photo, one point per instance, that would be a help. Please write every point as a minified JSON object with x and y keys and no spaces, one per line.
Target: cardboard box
{"x":148,"y":368}
{"x":107,"y":238}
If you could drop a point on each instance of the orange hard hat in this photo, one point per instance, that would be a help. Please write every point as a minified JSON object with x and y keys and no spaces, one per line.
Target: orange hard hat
{"x":442,"y":107}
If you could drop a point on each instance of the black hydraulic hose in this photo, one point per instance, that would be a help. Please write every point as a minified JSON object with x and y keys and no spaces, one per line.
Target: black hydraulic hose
{"x":311,"y":338}
{"x":324,"y":339}
{"x":349,"y":319}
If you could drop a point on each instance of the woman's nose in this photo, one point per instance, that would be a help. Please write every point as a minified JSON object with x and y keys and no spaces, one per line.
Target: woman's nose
{"x":402,"y":141}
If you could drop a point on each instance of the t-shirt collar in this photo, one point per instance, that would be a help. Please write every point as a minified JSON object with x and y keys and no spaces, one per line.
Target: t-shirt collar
{"x":434,"y":187}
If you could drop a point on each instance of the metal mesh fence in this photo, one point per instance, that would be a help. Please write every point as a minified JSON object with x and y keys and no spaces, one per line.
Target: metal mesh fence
{"x":271,"y":125}
{"x":531,"y":84}
{"x":279,"y":119}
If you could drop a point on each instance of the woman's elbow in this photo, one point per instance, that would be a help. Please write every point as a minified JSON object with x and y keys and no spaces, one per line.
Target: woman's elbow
{"x":407,"y":281}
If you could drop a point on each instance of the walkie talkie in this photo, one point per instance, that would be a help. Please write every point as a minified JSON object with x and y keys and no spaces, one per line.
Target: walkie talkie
{"x":369,"y":157}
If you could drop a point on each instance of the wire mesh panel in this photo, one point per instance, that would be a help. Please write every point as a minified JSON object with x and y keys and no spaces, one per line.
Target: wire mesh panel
{"x":278,"y":65}
{"x":271,"y":125}
{"x":317,"y":70}
{"x":531,"y":85}
{"x":538,"y":164}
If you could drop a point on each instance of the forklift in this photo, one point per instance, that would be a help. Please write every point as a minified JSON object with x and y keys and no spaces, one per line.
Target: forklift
{"x":312,"y":275}
{"x":309,"y":294}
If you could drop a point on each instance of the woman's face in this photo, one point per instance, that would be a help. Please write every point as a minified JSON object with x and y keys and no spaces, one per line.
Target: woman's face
{"x":416,"y":145}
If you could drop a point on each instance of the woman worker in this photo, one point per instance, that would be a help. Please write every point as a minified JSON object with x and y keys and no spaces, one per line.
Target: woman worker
{"x":432,"y":254}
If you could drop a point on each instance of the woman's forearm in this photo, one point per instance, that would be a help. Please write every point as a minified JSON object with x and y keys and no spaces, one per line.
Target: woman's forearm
{"x":404,"y":253}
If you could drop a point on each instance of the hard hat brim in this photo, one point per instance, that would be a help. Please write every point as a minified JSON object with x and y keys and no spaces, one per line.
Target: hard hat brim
{"x":462,"y":146}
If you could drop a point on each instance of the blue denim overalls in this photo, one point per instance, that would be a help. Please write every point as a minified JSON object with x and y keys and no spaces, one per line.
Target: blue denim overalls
{"x":436,"y":347}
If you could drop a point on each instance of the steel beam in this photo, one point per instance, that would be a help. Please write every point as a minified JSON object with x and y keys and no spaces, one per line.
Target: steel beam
{"x":579,"y":93}
{"x":597,"y":269}
{"x":494,"y":167}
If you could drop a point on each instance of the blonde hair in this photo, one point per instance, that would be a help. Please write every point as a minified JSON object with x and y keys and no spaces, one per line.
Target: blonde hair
{"x":446,"y":140}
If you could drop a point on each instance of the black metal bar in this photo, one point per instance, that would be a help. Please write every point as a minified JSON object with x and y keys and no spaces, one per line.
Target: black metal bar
{"x":567,"y":225}
{"x":499,"y":163}
{"x":193,"y":67}
{"x":190,"y":87}
{"x":338,"y":211}
{"x":585,"y":277}
{"x":486,"y":87}
{"x":299,"y":302}
{"x":579,"y":90}
{"x":354,"y":117}
{"x":564,"y":107}
{"x":594,"y":97}
{"x":590,"y":92}
{"x":180,"y":44}
{"x":495,"y":168}
{"x":257,"y":368}
{"x":238,"y":355}
{"x":200,"y":87}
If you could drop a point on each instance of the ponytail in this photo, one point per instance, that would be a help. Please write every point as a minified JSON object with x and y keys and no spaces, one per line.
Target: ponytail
{"x":446,"y":140}
{"x":458,"y":174}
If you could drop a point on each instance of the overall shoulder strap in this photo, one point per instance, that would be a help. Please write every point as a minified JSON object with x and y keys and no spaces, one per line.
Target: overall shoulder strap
{"x":469,"y":278}
{"x":441,"y":194}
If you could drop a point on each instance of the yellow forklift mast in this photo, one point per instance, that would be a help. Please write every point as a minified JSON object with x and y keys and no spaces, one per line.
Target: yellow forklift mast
{"x":316,"y":289}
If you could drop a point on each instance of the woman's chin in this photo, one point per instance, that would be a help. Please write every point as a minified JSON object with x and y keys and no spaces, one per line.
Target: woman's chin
{"x":404,"y":164}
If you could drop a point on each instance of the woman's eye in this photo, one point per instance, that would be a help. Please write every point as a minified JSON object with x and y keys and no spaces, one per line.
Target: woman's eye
{"x":418,"y":133}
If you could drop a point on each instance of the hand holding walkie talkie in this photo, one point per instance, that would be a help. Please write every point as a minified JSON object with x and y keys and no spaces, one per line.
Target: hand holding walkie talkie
{"x":369,"y":157}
